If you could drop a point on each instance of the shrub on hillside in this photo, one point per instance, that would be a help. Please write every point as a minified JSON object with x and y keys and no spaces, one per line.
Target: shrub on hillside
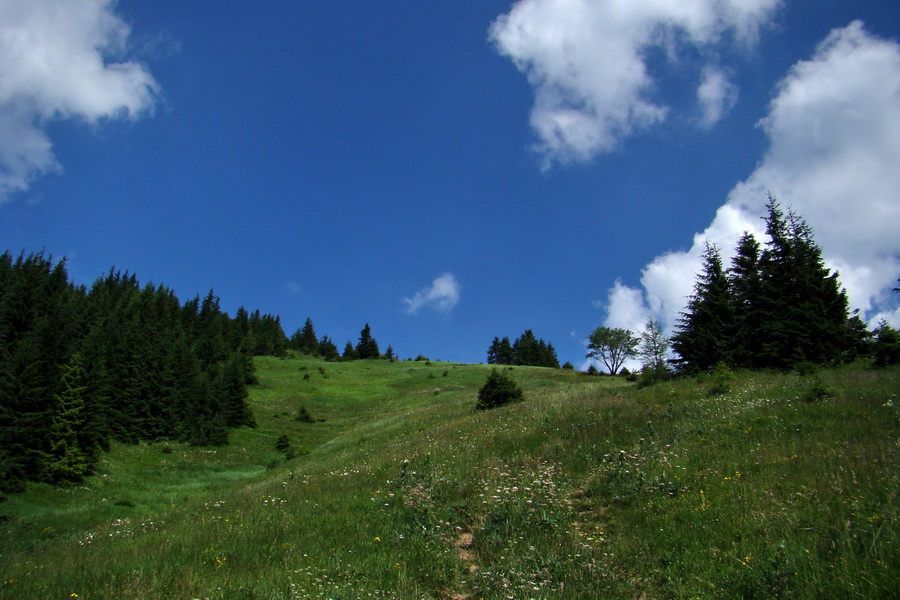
{"x":303,"y":415}
{"x":498,"y":390}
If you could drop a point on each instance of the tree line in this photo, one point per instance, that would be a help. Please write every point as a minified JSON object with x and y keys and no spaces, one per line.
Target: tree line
{"x":304,"y":341}
{"x":81,"y":367}
{"x":527,"y":350}
{"x":776,"y":306}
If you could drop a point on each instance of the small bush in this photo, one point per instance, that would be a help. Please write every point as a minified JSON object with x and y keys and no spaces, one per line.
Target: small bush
{"x":498,"y":390}
{"x":568,"y":366}
{"x":303,"y":415}
{"x":592,"y":370}
{"x":818,"y":391}
{"x":721,"y":375}
{"x":283,"y":445}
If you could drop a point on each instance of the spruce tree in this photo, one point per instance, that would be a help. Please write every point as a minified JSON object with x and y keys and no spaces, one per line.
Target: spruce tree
{"x":327,"y":350}
{"x":702,"y":337}
{"x":745,"y":283}
{"x":64,"y":461}
{"x":367,"y":347}
{"x":803,"y":308}
{"x":493,"y":353}
{"x":307,"y":343}
{"x":505,"y":354}
{"x":497,"y":391}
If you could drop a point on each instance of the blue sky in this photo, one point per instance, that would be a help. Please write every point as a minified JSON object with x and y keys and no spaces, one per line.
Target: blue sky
{"x":447,"y":171}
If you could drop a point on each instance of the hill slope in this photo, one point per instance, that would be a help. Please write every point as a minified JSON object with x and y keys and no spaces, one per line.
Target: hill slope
{"x":753,"y":486}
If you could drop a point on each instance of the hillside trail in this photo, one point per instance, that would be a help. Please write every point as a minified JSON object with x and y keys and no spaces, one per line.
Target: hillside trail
{"x":464,"y":543}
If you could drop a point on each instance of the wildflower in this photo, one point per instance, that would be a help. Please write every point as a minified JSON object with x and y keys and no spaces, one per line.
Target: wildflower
{"x":377,"y":539}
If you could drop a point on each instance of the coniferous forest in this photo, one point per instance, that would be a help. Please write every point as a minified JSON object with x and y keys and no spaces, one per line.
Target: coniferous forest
{"x":82,"y":367}
{"x":778,"y":306}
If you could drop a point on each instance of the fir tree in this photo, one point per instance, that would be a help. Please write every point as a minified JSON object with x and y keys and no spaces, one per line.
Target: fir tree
{"x":493,"y":353}
{"x":745,"y":283}
{"x":498,"y":390}
{"x":64,"y":461}
{"x":702,"y":337}
{"x":327,"y":349}
{"x":304,"y":340}
{"x":367,"y":347}
{"x":804,"y":312}
{"x":350,"y":352}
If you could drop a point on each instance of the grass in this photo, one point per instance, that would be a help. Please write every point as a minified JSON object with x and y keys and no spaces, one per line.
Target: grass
{"x":772,"y":485}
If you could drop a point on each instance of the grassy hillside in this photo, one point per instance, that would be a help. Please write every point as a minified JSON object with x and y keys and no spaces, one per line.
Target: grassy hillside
{"x":741,"y":486}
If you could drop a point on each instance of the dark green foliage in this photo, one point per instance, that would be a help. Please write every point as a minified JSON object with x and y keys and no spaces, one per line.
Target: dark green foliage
{"x":886,"y":345}
{"x":266,"y":332}
{"x":65,"y":461}
{"x":303,"y":415}
{"x":367,"y":347}
{"x":498,"y":390}
{"x":775,"y":308}
{"x":527,"y":350}
{"x":568,"y":366}
{"x":804,"y":310}
{"x":79,"y":368}
{"x":350,"y":352}
{"x":283,"y":445}
{"x":327,"y":350}
{"x":389,"y":353}
{"x":703,"y":337}
{"x":612,"y":347}
{"x":745,"y":284}
{"x":304,"y":339}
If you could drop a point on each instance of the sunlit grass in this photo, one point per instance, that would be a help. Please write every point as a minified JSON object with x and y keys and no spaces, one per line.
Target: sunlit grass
{"x":783,"y":486}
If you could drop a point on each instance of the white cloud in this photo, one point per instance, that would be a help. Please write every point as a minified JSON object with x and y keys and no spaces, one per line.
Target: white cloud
{"x":57,"y":61}
{"x":626,"y":308}
{"x":587,"y":62}
{"x":834,"y":147}
{"x":716,"y":95}
{"x":441,"y":296}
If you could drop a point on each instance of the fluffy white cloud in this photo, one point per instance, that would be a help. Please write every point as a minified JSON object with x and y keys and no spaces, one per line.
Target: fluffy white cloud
{"x":834,"y":147}
{"x":441,"y":296}
{"x":716,"y":95}
{"x":57,"y":61}
{"x":587,"y":62}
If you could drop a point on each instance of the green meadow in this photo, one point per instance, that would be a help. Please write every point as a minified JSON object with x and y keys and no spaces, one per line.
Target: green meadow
{"x":733,"y":485}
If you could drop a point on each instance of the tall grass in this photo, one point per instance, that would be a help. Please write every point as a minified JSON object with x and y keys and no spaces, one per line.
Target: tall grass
{"x":780,"y":485}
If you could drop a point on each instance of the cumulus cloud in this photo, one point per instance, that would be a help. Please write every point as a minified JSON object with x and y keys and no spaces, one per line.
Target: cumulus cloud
{"x":834,"y":146}
{"x":58,"y":60}
{"x":587,"y":61}
{"x":441,"y":296}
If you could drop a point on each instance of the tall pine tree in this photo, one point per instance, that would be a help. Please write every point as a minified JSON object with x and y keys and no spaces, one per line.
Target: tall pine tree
{"x":702,"y":337}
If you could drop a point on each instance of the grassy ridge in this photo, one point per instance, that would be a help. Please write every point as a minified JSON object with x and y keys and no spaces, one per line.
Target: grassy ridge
{"x":742,"y":486}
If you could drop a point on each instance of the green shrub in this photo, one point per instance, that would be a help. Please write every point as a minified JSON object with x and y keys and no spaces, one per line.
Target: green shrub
{"x":303,"y":415}
{"x":498,"y":390}
{"x":283,"y":445}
